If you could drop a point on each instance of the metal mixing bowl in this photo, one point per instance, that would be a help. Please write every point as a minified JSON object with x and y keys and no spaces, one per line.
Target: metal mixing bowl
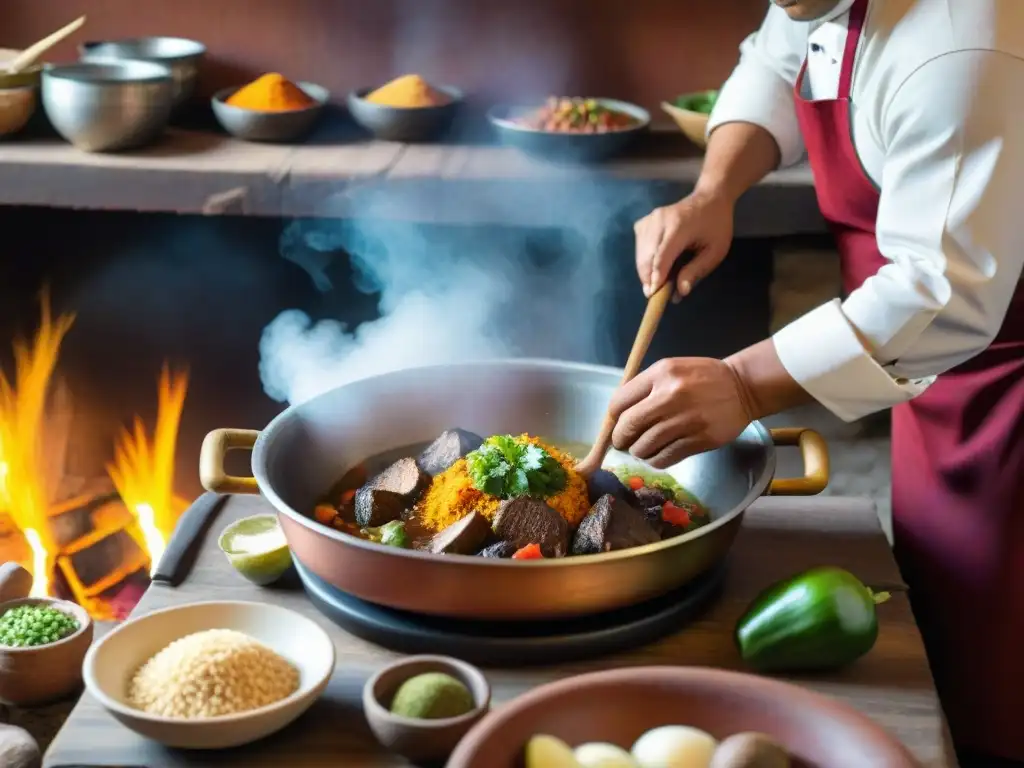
{"x":178,"y":53}
{"x":105,"y":106}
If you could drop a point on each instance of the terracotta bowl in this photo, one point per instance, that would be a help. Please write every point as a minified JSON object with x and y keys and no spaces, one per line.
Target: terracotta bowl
{"x":619,"y":705}
{"x":44,"y":673}
{"x":422,"y":740}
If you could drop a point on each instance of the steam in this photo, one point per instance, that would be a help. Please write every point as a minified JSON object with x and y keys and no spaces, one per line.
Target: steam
{"x":449,"y":293}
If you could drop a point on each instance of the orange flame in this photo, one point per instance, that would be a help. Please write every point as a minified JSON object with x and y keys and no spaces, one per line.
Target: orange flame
{"x":143,"y":468}
{"x":24,"y":494}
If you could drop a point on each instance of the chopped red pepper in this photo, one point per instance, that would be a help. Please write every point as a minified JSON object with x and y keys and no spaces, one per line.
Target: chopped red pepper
{"x":674,"y":515}
{"x":529,"y":552}
{"x":636,"y":483}
{"x":325,"y":513}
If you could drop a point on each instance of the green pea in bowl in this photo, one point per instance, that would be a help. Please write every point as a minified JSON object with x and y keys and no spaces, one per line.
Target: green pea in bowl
{"x":45,"y":670}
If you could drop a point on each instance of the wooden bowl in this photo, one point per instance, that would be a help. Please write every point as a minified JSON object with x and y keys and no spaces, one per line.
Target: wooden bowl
{"x":422,"y":740}
{"x":30,"y":76}
{"x":44,"y":673}
{"x":17,"y":105}
{"x":694,"y":125}
{"x":619,"y":705}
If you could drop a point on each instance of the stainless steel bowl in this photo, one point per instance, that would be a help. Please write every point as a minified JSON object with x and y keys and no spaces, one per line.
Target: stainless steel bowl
{"x":105,"y":106}
{"x":180,"y":54}
{"x":256,"y":125}
{"x":309,"y":447}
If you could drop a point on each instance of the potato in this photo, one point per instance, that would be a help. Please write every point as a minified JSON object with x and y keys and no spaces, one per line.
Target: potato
{"x":750,"y":750}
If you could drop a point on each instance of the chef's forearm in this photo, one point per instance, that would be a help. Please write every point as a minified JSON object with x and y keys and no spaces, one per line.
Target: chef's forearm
{"x":769,"y":388}
{"x":738,"y":156}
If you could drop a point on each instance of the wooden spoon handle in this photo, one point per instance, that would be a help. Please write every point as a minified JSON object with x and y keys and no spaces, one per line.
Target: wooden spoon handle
{"x":648,"y":326}
{"x":29,"y":55}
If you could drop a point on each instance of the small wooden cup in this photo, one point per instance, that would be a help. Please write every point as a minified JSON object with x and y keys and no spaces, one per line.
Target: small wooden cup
{"x":422,"y":741}
{"x":43,"y":673}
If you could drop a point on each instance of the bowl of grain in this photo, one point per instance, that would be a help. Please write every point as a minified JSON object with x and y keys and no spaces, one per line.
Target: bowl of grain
{"x":210,"y":675}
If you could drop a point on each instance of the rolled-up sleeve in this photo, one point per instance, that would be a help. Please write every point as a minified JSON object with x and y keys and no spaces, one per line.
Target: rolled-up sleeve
{"x":950,"y":225}
{"x":760,"y":89}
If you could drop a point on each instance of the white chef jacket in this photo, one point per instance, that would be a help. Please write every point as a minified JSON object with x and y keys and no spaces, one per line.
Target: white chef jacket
{"x":938,"y":124}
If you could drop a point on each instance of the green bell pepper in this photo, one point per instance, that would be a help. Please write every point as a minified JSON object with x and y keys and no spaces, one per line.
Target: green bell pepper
{"x":821,"y":619}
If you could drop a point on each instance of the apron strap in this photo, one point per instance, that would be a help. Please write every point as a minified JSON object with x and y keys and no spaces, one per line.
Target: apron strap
{"x":854,"y":27}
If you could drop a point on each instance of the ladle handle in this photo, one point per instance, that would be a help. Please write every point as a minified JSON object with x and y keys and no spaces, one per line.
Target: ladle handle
{"x":29,"y":55}
{"x":648,"y":327}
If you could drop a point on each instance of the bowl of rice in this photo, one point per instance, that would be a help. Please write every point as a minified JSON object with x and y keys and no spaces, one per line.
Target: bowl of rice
{"x":210,"y":675}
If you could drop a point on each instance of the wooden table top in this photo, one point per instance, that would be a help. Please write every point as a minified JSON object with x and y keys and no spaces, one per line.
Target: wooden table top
{"x":779,"y":536}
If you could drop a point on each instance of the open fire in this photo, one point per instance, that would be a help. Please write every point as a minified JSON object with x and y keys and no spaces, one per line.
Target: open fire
{"x":130,"y":535}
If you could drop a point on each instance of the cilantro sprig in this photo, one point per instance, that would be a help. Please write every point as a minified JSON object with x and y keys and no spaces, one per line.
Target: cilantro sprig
{"x":509,"y":467}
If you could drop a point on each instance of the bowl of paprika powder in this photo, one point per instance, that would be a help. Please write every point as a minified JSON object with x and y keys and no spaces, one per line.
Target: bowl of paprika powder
{"x":270,"y":108}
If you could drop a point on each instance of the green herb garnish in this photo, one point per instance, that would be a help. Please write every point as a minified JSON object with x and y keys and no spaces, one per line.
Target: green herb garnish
{"x":391,"y":534}
{"x":509,"y":467}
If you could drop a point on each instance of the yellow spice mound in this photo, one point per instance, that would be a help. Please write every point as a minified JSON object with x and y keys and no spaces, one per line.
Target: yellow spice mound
{"x":211,"y":673}
{"x":451,"y":495}
{"x":409,"y":91}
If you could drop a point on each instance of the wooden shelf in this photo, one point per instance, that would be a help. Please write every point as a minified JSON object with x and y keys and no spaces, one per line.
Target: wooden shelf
{"x":337,"y":174}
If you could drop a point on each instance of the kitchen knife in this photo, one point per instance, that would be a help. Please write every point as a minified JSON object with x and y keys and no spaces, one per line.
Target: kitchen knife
{"x":179,"y":555}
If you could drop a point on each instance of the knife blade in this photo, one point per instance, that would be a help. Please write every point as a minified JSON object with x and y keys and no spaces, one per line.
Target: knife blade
{"x":179,"y":555}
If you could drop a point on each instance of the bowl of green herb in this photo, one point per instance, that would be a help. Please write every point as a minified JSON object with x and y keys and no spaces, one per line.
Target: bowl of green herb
{"x":42,"y":645}
{"x":690,"y":112}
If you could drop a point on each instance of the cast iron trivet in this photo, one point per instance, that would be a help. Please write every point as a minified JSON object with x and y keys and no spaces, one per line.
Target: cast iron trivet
{"x":514,"y":643}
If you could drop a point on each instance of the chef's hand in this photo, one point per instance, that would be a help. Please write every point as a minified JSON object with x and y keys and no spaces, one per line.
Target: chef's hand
{"x":678,"y":407}
{"x":701,"y":224}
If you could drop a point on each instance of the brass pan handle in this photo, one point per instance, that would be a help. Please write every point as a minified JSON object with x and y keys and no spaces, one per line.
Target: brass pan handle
{"x":211,"y":460}
{"x":814,"y":451}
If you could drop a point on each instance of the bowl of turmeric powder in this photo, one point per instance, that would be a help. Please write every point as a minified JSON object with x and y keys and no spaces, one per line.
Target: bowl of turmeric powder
{"x":407,"y":109}
{"x":270,"y":108}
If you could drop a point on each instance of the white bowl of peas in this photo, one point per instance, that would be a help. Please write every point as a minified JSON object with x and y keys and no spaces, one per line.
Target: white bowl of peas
{"x":42,"y":644}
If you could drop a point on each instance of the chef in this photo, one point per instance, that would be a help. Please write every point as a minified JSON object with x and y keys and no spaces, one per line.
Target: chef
{"x":911,"y":115}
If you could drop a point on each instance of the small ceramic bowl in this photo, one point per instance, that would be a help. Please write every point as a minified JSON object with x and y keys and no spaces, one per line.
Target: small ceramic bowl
{"x":17,"y":105}
{"x":694,"y":125}
{"x":255,"y":125}
{"x":407,"y":124}
{"x":44,"y":673}
{"x":111,"y":663}
{"x":619,"y":705}
{"x":422,"y":740}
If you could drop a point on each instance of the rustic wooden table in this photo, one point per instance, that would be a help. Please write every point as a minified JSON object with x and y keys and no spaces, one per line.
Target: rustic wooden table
{"x":779,"y":536}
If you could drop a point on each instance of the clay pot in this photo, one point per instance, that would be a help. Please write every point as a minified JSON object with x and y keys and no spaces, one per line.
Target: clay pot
{"x":44,"y":673}
{"x":619,"y":705}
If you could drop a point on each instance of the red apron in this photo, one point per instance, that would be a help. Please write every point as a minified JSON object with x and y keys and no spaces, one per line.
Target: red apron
{"x":957,"y":466}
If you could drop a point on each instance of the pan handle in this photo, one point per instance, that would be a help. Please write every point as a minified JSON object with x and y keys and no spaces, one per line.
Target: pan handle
{"x":211,"y":460}
{"x":815,"y":455}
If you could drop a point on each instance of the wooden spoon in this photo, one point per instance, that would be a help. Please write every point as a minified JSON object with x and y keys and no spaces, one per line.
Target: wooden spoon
{"x":28,"y":57}
{"x":652,"y":317}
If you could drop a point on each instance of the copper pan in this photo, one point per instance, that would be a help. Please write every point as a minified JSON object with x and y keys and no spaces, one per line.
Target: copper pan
{"x":308,"y":447}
